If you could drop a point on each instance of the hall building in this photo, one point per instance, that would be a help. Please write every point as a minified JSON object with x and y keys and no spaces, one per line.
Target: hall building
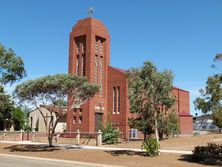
{"x":89,"y":55}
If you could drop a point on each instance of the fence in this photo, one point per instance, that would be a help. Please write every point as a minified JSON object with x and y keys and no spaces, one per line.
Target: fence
{"x":80,"y":137}
{"x":16,"y":135}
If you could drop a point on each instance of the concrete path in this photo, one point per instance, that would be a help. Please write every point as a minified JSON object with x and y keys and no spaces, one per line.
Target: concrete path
{"x":8,"y":160}
{"x":100,"y":148}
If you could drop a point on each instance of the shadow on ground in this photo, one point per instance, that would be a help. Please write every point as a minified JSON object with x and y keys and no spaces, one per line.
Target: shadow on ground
{"x":210,"y":161}
{"x":125,"y":152}
{"x":33,"y":148}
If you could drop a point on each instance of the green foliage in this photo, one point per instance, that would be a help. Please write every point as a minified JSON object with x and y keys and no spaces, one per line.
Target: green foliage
{"x":54,"y":88}
{"x":210,"y":99}
{"x":109,"y":133}
{"x":149,"y":89}
{"x":218,"y":57}
{"x":6,"y":109}
{"x":196,"y":134}
{"x":172,"y":123}
{"x":210,"y":152}
{"x":151,"y":147}
{"x":27,"y":128}
{"x":18,"y":117}
{"x":217,"y":117}
{"x":168,"y":125}
{"x":11,"y":66}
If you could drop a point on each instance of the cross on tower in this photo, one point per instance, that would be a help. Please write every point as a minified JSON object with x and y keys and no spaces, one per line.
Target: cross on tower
{"x":90,"y":11}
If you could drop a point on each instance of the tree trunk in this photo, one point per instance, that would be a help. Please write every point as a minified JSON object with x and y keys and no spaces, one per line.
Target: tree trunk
{"x":144,"y":136}
{"x":50,"y":139}
{"x":156,"y":131}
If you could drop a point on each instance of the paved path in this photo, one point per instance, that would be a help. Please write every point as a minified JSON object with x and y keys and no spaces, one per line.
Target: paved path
{"x":8,"y":160}
{"x":101,"y":148}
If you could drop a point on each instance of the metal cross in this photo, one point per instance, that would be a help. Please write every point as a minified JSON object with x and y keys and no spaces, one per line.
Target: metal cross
{"x":90,"y":11}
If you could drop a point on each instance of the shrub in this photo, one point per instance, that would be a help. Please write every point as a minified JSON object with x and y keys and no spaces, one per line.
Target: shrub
{"x":205,"y":153}
{"x":196,"y":134}
{"x":168,"y":125}
{"x":109,"y":133}
{"x":151,"y":147}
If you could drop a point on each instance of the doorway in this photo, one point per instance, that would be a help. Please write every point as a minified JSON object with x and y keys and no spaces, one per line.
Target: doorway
{"x":98,"y":121}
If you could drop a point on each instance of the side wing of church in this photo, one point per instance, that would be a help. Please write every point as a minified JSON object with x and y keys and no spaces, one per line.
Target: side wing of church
{"x":89,"y":55}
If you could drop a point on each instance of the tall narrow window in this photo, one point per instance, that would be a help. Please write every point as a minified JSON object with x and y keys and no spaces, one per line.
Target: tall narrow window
{"x":96,"y":47}
{"x":101,"y":75}
{"x":83,"y":65}
{"x":75,"y":111}
{"x":80,"y":119}
{"x":101,"y":48}
{"x":118,"y":99}
{"x":77,"y":48}
{"x":80,"y":45}
{"x":96,"y":69}
{"x":31,"y":125}
{"x":77,"y":65}
{"x":80,"y":111}
{"x":74,"y":120}
{"x":114,"y":100}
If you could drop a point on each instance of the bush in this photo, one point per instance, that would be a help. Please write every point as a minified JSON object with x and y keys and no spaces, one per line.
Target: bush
{"x":168,"y":125}
{"x":109,"y":133}
{"x":151,"y":146}
{"x":196,"y":134}
{"x":110,"y":136}
{"x":207,"y":153}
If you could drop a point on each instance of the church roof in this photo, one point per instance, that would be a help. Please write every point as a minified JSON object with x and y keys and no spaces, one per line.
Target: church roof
{"x":119,"y":69}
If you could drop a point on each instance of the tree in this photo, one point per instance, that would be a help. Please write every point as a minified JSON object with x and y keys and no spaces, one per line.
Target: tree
{"x":52,"y":91}
{"x":168,"y":124}
{"x":11,"y":66}
{"x":18,"y":117}
{"x":6,"y":109}
{"x":217,"y":117}
{"x":210,"y":99}
{"x":149,"y":90}
{"x":11,"y":70}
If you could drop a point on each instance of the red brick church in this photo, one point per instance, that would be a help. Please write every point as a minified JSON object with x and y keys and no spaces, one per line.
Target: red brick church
{"x":89,"y":55}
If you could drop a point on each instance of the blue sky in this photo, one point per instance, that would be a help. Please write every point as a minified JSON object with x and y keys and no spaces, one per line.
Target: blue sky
{"x":180,"y":35}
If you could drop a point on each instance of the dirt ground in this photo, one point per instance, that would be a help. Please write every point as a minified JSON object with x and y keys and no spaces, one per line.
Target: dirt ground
{"x":123,"y":158}
{"x":177,"y":143}
{"x":180,"y":143}
{"x":102,"y":157}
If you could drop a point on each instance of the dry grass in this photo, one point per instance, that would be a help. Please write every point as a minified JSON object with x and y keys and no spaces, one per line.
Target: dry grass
{"x":124,"y":158}
{"x":179,"y":143}
{"x":93,"y":156}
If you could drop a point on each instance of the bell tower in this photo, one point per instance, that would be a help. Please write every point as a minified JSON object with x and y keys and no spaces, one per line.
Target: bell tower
{"x":89,"y":56}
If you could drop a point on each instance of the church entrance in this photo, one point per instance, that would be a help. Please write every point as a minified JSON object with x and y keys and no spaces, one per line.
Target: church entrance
{"x":98,"y":121}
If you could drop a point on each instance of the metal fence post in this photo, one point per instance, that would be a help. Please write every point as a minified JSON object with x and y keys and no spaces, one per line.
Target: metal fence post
{"x":21,"y":135}
{"x":78,"y":136}
{"x":99,"y":138}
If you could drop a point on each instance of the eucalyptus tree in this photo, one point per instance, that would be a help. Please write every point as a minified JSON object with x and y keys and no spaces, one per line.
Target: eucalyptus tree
{"x":51,"y":91}
{"x":11,"y":70}
{"x":11,"y":66}
{"x":210,"y":98}
{"x":149,"y":90}
{"x":6,"y":110}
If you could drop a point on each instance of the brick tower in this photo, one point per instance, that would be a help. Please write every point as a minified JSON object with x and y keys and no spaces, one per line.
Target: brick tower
{"x":89,"y":55}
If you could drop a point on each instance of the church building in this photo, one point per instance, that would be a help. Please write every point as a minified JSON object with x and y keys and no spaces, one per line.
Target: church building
{"x":89,"y":55}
